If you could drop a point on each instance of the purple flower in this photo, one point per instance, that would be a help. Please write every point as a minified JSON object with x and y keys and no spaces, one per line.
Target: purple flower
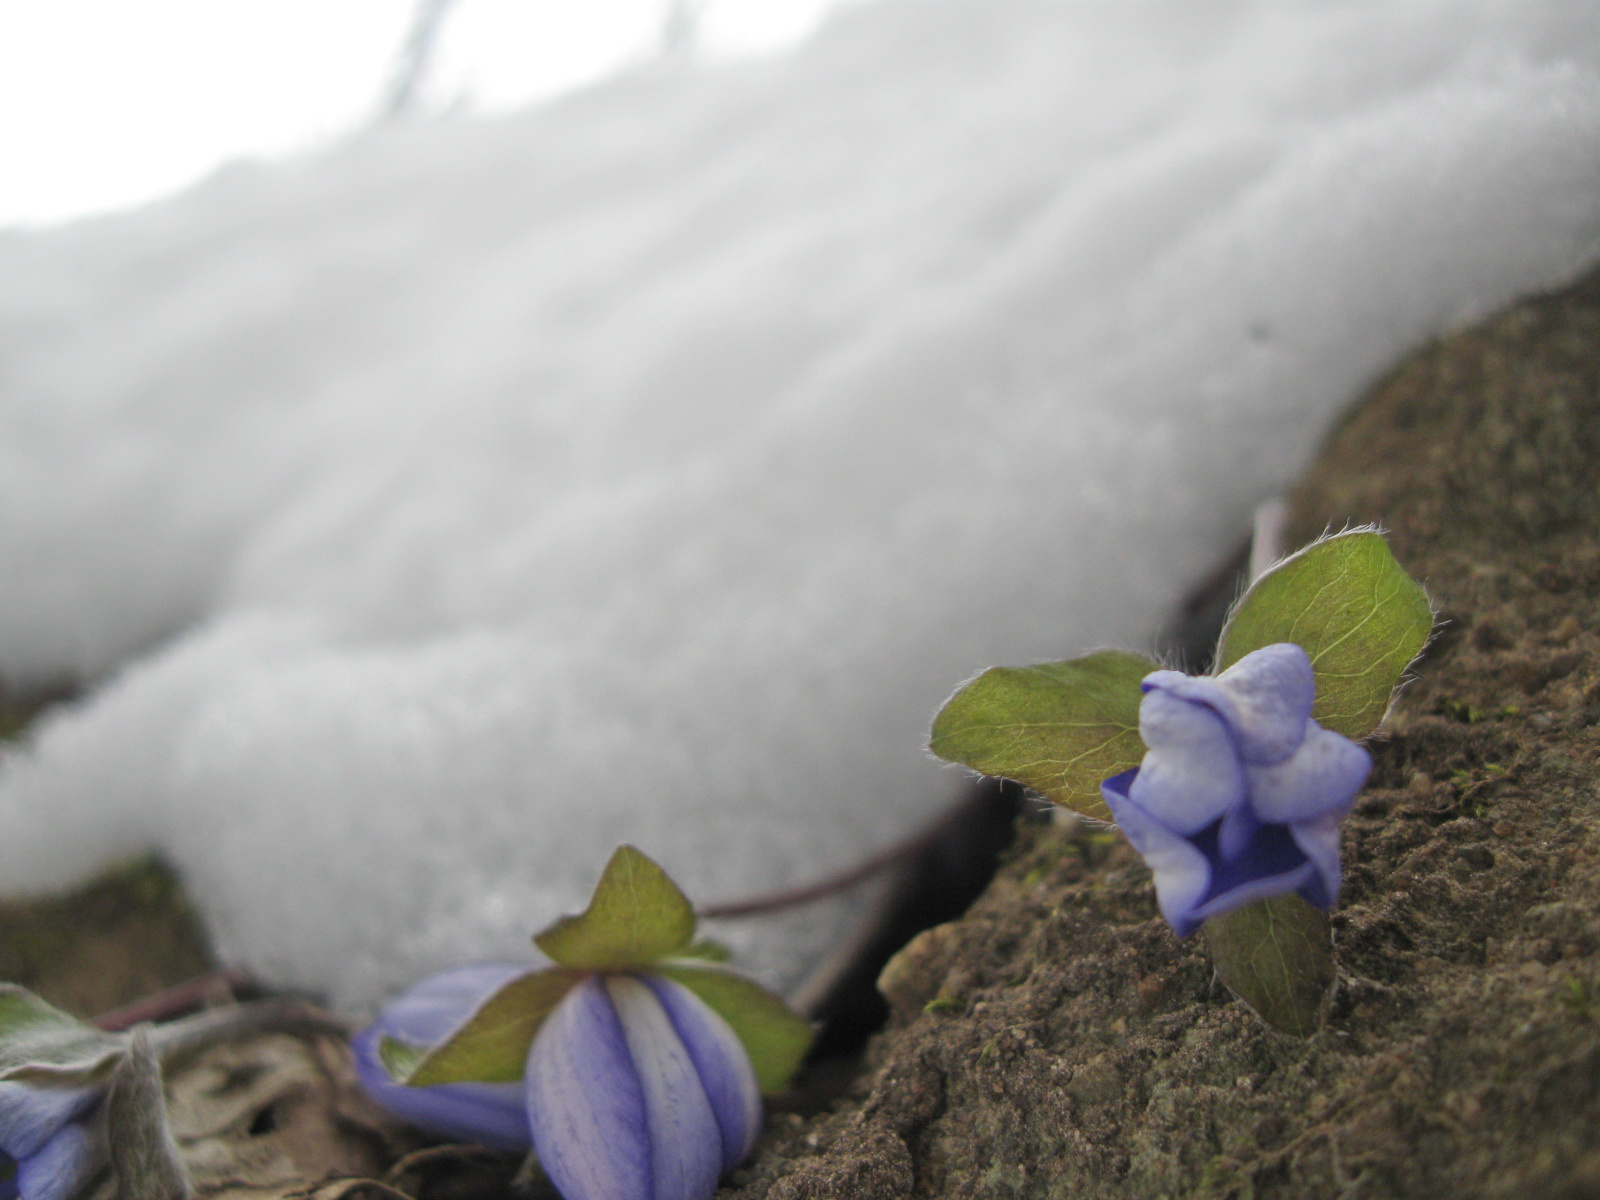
{"x":44,"y":1139}
{"x":637,"y":1090}
{"x":1240,"y":794}
{"x":634,"y":1088}
{"x":494,"y":1114}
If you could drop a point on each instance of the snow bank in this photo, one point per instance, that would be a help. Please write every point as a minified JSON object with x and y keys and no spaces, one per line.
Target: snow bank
{"x":649,"y":466}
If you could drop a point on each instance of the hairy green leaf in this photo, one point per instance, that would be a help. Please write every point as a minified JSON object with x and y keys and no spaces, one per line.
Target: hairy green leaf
{"x":773,"y":1036}
{"x":1060,"y":728}
{"x":40,"y":1043}
{"x":1277,"y":956}
{"x":635,"y":917}
{"x":491,"y":1045}
{"x":1356,"y":613}
{"x":708,"y":949}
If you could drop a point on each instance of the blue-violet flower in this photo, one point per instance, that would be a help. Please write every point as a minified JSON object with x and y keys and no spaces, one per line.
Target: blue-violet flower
{"x":634,"y":1088}
{"x":43,"y":1137}
{"x":637,"y":1090}
{"x":1240,"y":794}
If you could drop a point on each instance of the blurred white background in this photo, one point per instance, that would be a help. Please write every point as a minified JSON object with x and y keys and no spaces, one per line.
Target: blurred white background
{"x":104,"y":104}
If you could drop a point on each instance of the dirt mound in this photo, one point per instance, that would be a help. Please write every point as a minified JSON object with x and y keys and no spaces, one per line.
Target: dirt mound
{"x":1059,"y":1041}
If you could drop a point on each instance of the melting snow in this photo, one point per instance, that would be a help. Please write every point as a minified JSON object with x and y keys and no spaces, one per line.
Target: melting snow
{"x":650,"y":465}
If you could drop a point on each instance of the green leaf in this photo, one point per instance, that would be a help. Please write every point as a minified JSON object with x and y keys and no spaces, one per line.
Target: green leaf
{"x":773,"y":1036}
{"x":636,"y":916}
{"x":400,"y":1059}
{"x":1356,"y":613}
{"x":707,"y":949}
{"x":491,"y":1045}
{"x":1277,"y":956}
{"x":40,"y":1043}
{"x":1060,"y":728}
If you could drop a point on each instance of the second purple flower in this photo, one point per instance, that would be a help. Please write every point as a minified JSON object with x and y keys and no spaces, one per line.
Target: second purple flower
{"x":634,"y":1067}
{"x":638,"y":1091}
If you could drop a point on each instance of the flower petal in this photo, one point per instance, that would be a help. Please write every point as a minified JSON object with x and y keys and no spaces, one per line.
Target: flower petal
{"x":722,"y":1063}
{"x":585,"y":1104}
{"x":685,"y":1139}
{"x":1265,"y":699}
{"x":1263,"y":888}
{"x":1191,"y":775}
{"x":30,"y":1114}
{"x":1323,"y":776}
{"x":1319,"y":841}
{"x":1270,"y":864}
{"x":57,"y":1169}
{"x":1182,"y":874}
{"x":1239,"y":827}
{"x":495,"y":1114}
{"x":1272,"y":691}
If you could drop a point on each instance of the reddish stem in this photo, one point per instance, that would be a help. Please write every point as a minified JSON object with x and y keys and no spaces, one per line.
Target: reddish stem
{"x":176,"y":1000}
{"x":752,"y":906}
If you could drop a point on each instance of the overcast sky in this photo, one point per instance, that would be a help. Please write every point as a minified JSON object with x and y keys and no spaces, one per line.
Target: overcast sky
{"x":106,"y":103}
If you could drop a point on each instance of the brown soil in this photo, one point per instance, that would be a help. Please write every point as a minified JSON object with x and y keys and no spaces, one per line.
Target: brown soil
{"x":116,"y":940}
{"x":1058,"y":1041}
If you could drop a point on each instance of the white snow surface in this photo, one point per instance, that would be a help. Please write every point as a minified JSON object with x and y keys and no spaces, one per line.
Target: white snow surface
{"x":437,"y":513}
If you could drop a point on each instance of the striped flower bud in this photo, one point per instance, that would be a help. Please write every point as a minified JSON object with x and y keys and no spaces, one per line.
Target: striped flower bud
{"x":637,"y":1090}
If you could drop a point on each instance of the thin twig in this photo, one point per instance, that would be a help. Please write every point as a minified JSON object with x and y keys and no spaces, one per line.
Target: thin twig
{"x":174,"y":1001}
{"x":900,"y":852}
{"x":1268,"y":527}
